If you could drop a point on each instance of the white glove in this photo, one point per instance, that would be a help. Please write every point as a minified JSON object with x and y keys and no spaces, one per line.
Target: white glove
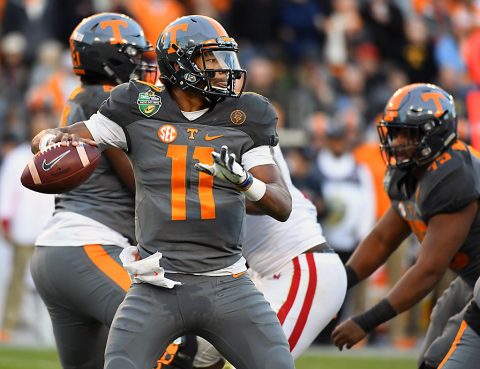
{"x":225,"y":167}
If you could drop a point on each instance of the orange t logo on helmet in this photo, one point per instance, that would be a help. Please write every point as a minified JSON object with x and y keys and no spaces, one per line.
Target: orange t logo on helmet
{"x":435,"y":96}
{"x":115,"y":24}
{"x":172,"y":32}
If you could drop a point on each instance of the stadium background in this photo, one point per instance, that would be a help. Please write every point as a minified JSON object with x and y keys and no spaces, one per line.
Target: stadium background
{"x":328,"y":66}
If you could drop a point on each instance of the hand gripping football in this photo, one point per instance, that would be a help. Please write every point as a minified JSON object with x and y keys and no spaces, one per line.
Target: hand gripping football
{"x":59,"y":168}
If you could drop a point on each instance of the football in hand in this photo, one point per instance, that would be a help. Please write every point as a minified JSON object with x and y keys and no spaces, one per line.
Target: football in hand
{"x":59,"y":168}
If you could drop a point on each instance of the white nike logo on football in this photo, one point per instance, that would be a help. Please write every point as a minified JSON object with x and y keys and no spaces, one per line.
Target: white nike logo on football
{"x":47,"y":166}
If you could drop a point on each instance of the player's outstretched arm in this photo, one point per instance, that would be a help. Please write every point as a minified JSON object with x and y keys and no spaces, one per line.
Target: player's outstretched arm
{"x":262,"y":184}
{"x":445,"y":235}
{"x":75,"y":134}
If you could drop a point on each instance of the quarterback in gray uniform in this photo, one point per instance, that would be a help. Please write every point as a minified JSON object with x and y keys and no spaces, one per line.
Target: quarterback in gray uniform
{"x":199,"y":149}
{"x":433,"y":183}
{"x":76,"y":266}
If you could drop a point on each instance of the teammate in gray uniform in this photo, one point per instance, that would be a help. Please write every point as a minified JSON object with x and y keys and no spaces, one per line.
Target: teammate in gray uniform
{"x":76,"y":266}
{"x":434,"y":184}
{"x":183,"y":141}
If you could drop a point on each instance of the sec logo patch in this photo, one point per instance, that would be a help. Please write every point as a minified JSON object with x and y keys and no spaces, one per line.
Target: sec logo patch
{"x":167,"y":133}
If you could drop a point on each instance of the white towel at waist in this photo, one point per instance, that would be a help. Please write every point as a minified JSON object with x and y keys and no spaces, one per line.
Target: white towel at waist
{"x":146,"y":270}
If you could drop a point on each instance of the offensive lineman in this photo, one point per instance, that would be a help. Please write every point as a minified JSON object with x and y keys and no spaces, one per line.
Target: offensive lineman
{"x":434,"y":184}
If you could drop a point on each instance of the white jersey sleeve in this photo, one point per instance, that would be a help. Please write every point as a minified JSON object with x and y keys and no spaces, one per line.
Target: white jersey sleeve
{"x":270,"y":244}
{"x":105,"y":132}
{"x":260,"y":155}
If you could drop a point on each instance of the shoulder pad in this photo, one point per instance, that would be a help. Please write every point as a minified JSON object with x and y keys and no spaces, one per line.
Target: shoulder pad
{"x":255,"y":115}
{"x":130,"y":102}
{"x":259,"y":107}
{"x":447,"y":186}
{"x":82,"y":103}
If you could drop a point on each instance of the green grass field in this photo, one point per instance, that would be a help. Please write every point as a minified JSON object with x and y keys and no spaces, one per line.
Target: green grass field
{"x":11,"y":358}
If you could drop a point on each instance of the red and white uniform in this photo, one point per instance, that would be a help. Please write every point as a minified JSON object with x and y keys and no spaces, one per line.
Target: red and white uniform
{"x":305,"y":289}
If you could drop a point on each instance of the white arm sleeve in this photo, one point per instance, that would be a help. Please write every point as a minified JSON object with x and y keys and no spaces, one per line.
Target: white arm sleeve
{"x":260,"y":155}
{"x":106,"y":132}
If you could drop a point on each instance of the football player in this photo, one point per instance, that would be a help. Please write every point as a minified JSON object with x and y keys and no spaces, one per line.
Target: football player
{"x":76,"y":266}
{"x":199,"y":149}
{"x":301,"y":277}
{"x":433,"y":183}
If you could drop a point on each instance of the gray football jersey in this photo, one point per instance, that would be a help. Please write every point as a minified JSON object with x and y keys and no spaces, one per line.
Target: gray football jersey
{"x":102,"y":197}
{"x":450,"y":183}
{"x":195,"y":220}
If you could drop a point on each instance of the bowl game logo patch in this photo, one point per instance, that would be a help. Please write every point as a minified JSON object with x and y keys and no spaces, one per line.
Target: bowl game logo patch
{"x":148,"y":103}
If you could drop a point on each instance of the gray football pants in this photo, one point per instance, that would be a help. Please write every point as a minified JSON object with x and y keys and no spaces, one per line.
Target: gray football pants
{"x":465,"y":353}
{"x":445,"y":321}
{"x":229,"y":312}
{"x":82,"y":288}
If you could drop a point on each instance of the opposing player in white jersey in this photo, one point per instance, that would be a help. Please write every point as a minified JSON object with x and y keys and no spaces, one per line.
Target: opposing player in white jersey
{"x":300,"y":275}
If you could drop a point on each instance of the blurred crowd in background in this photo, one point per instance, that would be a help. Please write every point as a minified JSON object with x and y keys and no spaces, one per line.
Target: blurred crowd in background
{"x":328,"y":66}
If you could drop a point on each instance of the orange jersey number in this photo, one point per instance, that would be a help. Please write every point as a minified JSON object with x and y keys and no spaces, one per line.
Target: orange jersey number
{"x":178,"y":154}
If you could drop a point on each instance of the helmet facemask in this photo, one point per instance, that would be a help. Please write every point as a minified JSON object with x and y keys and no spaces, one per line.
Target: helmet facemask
{"x":425,"y":138}
{"x":216,"y":62}
{"x":211,"y":69}
{"x":136,"y":65}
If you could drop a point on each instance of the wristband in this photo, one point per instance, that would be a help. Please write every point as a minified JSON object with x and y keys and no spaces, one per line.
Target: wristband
{"x":375,"y":316}
{"x":253,"y":188}
{"x":352,"y":277}
{"x":43,"y":144}
{"x":245,"y":185}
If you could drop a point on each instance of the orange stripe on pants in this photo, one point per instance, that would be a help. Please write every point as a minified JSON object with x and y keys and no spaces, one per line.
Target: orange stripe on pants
{"x":108,"y":265}
{"x":463,"y":326}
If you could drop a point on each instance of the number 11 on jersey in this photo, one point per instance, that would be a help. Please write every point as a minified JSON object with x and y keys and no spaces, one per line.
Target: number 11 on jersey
{"x":178,"y":154}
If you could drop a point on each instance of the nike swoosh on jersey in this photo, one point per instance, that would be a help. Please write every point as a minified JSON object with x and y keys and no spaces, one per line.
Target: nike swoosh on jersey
{"x":211,"y":138}
{"x":47,"y":166}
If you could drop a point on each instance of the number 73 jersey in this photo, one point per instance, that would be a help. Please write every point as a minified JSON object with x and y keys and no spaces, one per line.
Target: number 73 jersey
{"x":196,"y":221}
